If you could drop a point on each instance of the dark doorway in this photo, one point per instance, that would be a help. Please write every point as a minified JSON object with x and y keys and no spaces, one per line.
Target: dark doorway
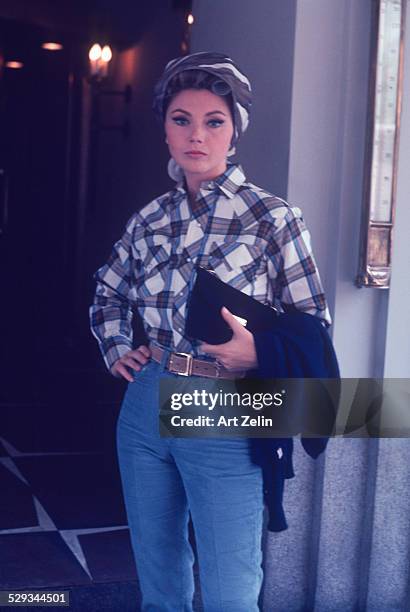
{"x":39,"y":122}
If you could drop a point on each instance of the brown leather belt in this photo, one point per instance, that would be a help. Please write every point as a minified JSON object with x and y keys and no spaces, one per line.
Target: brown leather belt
{"x":187,"y":365}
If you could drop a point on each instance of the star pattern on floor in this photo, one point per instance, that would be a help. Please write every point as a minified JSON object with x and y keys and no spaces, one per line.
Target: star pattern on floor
{"x":45,"y":522}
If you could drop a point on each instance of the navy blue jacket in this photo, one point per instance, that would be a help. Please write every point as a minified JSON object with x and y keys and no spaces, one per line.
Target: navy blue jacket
{"x":297,"y":346}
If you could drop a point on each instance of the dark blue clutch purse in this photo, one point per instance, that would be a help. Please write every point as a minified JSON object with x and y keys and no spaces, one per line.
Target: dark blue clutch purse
{"x":204,"y":320}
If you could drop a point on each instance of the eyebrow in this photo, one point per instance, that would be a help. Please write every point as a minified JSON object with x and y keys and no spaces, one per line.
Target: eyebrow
{"x":181,"y":110}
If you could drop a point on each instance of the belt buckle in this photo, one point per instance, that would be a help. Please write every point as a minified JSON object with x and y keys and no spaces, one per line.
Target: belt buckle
{"x":189,"y":364}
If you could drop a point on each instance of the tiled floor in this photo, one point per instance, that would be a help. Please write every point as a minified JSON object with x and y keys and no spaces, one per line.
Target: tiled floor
{"x":65,"y":511}
{"x":62,"y":517}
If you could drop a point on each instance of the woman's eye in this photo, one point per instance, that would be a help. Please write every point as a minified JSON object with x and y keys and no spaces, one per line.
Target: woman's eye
{"x":180,"y":120}
{"x":215,"y":122}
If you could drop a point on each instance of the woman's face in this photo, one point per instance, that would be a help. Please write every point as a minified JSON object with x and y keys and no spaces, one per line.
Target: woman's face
{"x":199,"y":130}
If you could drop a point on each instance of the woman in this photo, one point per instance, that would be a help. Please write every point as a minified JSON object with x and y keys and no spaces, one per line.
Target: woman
{"x":255,"y":242}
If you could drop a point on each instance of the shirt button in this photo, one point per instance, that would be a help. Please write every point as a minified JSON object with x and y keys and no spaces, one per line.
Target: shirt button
{"x":188,"y":259}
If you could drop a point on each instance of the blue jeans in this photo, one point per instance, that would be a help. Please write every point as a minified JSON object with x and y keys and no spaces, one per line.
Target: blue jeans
{"x":165,"y":479}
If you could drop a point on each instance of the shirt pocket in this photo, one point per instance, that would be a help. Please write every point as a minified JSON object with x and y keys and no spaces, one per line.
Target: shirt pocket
{"x":155,"y":263}
{"x":238,"y":263}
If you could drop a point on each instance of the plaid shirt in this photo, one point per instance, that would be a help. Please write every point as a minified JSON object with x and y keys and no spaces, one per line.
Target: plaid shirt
{"x":253,"y":240}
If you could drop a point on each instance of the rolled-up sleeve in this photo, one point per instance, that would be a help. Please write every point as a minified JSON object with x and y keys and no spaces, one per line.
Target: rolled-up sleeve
{"x":111,"y":311}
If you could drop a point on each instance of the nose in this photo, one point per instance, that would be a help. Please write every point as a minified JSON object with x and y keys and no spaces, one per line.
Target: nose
{"x":197,"y":134}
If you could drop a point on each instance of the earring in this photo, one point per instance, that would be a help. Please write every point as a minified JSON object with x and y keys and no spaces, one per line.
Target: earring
{"x":166,"y":140}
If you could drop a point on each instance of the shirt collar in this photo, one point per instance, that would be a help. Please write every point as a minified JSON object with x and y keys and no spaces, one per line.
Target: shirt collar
{"x":228,"y":182}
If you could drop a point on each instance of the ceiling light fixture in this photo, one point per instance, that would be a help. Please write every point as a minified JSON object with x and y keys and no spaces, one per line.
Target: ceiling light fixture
{"x":15,"y":65}
{"x":52,"y":46}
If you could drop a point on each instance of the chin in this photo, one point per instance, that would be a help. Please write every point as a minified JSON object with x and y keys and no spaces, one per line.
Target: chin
{"x":196,"y":166}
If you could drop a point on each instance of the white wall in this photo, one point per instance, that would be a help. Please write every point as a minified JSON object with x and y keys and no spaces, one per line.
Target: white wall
{"x":259,"y":36}
{"x":326,"y":168}
{"x":306,"y":139}
{"x":329,"y":107}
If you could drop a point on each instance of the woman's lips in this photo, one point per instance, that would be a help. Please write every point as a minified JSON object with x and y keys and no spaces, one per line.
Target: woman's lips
{"x":195,"y":153}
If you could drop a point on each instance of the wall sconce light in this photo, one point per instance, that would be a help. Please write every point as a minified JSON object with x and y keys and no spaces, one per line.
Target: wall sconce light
{"x":106,"y":54}
{"x":99,"y":60}
{"x":186,"y":41}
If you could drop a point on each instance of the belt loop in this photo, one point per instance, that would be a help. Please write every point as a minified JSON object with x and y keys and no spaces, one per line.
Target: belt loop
{"x":164,"y":359}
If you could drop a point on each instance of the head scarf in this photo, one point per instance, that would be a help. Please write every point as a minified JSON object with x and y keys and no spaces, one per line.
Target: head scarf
{"x":231,"y":80}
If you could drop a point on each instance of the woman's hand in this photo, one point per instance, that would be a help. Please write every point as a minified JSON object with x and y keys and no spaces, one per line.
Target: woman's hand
{"x":133,"y":359}
{"x":237,"y":354}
